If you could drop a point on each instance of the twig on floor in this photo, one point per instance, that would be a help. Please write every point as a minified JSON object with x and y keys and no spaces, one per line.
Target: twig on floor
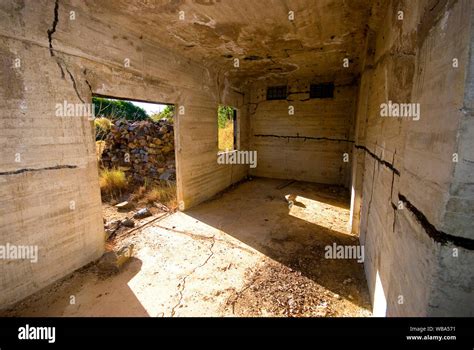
{"x":141,"y":226}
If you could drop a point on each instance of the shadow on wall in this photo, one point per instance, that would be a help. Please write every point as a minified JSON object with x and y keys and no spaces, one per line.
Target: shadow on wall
{"x":295,"y":237}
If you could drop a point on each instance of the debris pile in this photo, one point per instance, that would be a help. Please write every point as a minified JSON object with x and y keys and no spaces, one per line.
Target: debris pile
{"x":142,"y":149}
{"x":115,"y":226}
{"x":277,"y":290}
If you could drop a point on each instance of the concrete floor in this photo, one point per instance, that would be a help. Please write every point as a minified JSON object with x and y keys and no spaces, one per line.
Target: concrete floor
{"x":244,"y":253}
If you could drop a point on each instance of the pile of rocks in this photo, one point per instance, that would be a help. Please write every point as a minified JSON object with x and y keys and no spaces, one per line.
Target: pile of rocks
{"x":143,"y":149}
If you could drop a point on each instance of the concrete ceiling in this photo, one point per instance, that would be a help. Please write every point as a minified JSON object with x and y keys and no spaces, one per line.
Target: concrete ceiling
{"x":258,"y":33}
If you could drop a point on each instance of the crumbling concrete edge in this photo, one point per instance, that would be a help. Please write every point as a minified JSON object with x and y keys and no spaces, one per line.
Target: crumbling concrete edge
{"x":437,"y":235}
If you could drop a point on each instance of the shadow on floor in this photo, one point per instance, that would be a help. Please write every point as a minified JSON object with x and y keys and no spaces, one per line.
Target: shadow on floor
{"x":111,"y":297}
{"x":257,"y":214}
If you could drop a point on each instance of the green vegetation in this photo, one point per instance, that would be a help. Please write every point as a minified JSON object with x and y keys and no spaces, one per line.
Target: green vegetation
{"x":224,"y":115}
{"x":225,"y":122}
{"x":116,"y":109}
{"x":167,"y":113}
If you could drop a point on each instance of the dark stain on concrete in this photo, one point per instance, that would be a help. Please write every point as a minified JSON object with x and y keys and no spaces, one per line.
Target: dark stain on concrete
{"x":435,"y":10}
{"x":205,"y":2}
{"x":229,"y":30}
{"x":252,"y":58}
{"x":12,"y":86}
{"x":172,"y":6}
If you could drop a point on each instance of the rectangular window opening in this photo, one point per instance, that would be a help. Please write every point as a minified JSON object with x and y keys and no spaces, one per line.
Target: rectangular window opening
{"x":277,"y":93}
{"x":325,"y":90}
{"x":227,"y":128}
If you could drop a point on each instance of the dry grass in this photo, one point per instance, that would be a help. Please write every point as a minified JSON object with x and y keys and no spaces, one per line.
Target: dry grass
{"x":102,"y":124}
{"x":102,"y":127}
{"x":112,"y":181}
{"x":163,"y":192}
{"x":226,"y":137}
{"x":99,"y":148}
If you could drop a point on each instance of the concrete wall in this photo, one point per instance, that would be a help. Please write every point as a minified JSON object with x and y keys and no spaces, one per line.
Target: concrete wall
{"x":308,"y":145}
{"x":69,"y":60}
{"x":412,"y":204}
{"x":454,"y":281}
{"x":415,"y":264}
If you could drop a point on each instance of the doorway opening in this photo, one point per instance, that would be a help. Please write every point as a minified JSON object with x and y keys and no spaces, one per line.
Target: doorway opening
{"x":136,"y":161}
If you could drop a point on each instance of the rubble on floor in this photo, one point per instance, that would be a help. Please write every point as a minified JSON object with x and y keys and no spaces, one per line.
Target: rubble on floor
{"x":113,"y":261}
{"x":277,"y":290}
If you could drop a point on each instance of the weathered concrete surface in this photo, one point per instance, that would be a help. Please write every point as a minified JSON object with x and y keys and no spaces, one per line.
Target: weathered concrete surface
{"x":415,"y":265}
{"x":204,"y":262}
{"x":68,"y":60}
{"x":260,"y":34}
{"x":412,"y":205}
{"x":308,"y":144}
{"x":459,"y":213}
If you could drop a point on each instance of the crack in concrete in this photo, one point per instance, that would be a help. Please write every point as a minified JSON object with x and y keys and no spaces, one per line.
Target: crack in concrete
{"x":303,"y":137}
{"x":84,"y":72}
{"x":391,"y":187}
{"x":394,"y":207}
{"x":74,"y":85}
{"x":52,"y":30}
{"x":24,"y":170}
{"x":58,"y":60}
{"x":252,"y":104}
{"x":89,"y":85}
{"x":236,"y":296}
{"x":182,"y":284}
{"x":302,"y":100}
{"x":371,"y":194}
{"x":434,"y":6}
{"x":202,"y":237}
{"x":438,"y":236}
{"x":380,"y":160}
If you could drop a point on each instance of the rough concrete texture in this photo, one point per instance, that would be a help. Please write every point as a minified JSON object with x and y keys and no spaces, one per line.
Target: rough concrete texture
{"x":412,"y":265}
{"x":64,"y":60}
{"x":206,"y":263}
{"x":259,"y":34}
{"x":307,"y":145}
{"x":411,"y":204}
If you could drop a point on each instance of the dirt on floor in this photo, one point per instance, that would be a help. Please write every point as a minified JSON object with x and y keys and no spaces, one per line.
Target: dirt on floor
{"x":275,"y":289}
{"x":243,"y":253}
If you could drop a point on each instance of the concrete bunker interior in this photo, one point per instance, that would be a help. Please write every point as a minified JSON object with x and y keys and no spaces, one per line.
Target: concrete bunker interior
{"x":360,"y":117}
